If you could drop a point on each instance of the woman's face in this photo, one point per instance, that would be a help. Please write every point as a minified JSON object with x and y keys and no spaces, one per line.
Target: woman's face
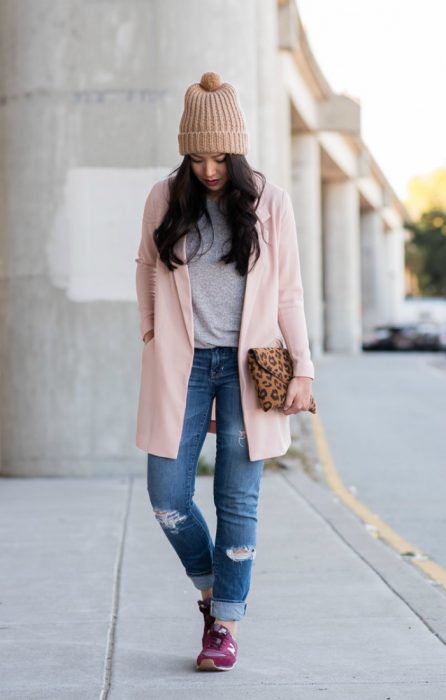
{"x":211,"y":171}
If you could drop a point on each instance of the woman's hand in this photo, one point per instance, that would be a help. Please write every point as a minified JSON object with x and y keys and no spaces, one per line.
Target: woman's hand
{"x":148,"y":336}
{"x":298,"y":395}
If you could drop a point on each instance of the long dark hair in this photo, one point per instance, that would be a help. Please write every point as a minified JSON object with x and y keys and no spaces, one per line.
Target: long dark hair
{"x":187,"y":203}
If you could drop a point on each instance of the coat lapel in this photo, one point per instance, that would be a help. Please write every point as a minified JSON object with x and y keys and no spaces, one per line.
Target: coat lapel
{"x":254,"y":276}
{"x":182,"y":278}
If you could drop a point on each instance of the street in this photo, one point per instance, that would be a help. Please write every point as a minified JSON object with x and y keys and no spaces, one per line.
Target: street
{"x":384,"y":417}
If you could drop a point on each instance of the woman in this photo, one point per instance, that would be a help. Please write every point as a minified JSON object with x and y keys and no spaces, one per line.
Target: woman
{"x":218,"y":272}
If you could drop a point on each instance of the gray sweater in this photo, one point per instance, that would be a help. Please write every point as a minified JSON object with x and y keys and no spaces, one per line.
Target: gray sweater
{"x":218,"y":290}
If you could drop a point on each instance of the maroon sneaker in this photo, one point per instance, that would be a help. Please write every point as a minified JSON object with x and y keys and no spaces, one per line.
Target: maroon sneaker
{"x":205,"y":608}
{"x":219,"y":651}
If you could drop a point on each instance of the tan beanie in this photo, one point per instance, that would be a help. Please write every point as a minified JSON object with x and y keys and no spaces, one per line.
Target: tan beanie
{"x":212,"y":120}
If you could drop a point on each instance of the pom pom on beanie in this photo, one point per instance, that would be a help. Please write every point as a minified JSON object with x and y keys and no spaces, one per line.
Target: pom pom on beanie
{"x":210,"y":81}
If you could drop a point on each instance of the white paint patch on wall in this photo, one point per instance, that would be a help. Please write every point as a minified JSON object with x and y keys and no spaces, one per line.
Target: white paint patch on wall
{"x":95,"y":235}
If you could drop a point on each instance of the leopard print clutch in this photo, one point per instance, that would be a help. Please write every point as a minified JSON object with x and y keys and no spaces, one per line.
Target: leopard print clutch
{"x":271,"y":370}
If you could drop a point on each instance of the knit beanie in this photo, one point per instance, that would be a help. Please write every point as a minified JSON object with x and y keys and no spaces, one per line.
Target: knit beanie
{"x":212,"y":120}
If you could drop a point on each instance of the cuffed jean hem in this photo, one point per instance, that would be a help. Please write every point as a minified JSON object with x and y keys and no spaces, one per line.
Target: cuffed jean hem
{"x":227,"y":610}
{"x":203,"y":582}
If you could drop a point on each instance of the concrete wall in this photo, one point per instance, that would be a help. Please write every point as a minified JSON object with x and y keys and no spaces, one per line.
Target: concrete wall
{"x":91,"y":100}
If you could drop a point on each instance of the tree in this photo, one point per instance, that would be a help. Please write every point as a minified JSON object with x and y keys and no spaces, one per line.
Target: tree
{"x":426,"y":252}
{"x":427,"y":192}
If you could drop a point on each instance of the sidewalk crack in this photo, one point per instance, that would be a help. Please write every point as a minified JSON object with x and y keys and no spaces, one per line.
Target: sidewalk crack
{"x":108,"y":667}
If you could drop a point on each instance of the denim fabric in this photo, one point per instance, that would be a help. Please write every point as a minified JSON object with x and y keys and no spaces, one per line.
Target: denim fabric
{"x":227,"y":565}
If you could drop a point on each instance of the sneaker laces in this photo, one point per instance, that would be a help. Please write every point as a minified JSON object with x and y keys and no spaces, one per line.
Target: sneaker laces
{"x":216,"y":637}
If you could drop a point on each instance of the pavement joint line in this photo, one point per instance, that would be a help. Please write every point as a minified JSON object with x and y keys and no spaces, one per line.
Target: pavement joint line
{"x":372,"y":521}
{"x":363,"y":558}
{"x":108,"y":666}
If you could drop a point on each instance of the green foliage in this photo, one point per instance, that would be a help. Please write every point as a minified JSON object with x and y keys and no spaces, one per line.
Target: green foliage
{"x":426,"y":252}
{"x":204,"y":468}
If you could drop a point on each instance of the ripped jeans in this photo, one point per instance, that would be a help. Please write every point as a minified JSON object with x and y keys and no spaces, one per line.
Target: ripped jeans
{"x":225,"y":567}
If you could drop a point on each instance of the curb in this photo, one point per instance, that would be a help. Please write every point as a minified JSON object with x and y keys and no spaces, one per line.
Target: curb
{"x":365,"y":534}
{"x":376,"y":526}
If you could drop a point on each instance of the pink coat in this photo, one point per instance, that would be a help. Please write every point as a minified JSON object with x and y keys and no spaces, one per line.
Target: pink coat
{"x":273,"y":311}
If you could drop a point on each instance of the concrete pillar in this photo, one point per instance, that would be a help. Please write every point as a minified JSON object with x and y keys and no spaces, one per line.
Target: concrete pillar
{"x":283,"y":138}
{"x":342,"y":292}
{"x":306,"y":195}
{"x":268,"y":90}
{"x":92,"y":95}
{"x":394,"y":274}
{"x":373,"y":266}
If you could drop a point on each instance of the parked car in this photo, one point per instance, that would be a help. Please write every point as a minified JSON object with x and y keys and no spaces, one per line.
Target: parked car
{"x":424,"y":335}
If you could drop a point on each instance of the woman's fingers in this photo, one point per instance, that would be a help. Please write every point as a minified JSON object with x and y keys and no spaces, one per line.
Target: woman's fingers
{"x":295,"y":402}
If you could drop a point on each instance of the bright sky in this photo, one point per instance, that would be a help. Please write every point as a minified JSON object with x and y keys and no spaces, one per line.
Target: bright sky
{"x":391,"y":55}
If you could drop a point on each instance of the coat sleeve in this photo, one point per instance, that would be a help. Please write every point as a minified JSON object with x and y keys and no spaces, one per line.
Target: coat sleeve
{"x":291,"y":314}
{"x":146,"y":267}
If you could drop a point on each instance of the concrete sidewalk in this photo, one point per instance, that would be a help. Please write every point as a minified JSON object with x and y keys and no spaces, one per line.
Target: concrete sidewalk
{"x":93,"y":594}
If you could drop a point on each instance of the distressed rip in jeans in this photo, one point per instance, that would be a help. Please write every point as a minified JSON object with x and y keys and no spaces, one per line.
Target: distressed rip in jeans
{"x":225,"y":566}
